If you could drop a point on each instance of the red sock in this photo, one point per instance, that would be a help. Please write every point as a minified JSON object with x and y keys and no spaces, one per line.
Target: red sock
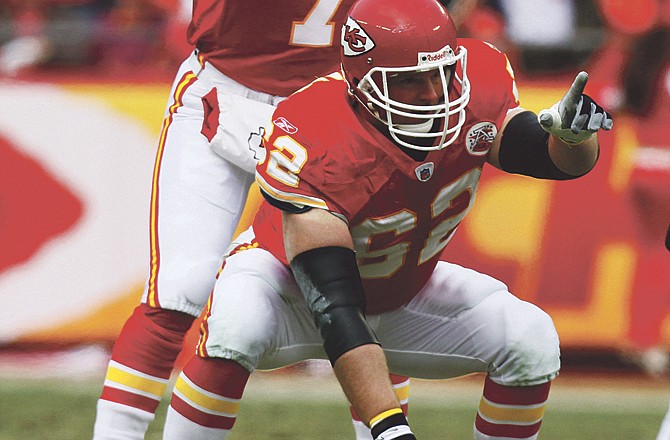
{"x":208,"y":392}
{"x":511,"y":412}
{"x":144,"y":356}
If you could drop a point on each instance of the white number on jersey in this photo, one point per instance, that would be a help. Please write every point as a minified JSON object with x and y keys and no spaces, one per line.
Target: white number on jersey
{"x":286,"y":161}
{"x":384,"y":262}
{"x":284,"y":164}
{"x":316,"y":29}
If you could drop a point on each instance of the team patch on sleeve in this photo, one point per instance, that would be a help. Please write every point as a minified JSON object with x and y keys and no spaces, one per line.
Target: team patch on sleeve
{"x":480,"y":138}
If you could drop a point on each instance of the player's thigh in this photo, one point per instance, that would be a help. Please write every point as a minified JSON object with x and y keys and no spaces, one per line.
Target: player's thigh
{"x":258,"y":316}
{"x":197,"y":201}
{"x":464,"y":322}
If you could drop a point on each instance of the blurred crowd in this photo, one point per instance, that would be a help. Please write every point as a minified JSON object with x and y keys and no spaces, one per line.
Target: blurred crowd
{"x":121,"y":35}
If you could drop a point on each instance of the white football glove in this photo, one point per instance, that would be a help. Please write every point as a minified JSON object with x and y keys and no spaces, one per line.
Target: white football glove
{"x":576,"y":117}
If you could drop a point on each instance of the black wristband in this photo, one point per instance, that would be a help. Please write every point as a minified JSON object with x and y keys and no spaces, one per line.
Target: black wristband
{"x":390,"y":422}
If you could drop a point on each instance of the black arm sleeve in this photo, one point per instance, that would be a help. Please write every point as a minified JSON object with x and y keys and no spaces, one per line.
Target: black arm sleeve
{"x":330,"y":281}
{"x":524,"y":149}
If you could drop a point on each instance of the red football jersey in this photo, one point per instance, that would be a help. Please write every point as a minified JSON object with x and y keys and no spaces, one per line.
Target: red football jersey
{"x":274,"y":47}
{"x":401,"y":213}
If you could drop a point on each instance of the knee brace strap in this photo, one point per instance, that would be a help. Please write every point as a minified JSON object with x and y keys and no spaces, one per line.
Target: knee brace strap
{"x":330,"y":281}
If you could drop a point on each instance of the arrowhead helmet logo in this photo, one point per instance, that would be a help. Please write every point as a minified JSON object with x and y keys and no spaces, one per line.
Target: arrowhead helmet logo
{"x":355,"y":40}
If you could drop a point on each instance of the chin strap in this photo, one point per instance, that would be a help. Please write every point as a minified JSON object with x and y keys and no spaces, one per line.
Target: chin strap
{"x":423,"y":127}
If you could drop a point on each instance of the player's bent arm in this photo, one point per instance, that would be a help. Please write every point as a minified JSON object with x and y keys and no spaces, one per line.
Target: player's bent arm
{"x":313,"y":229}
{"x":523,"y":147}
{"x":560,"y":143}
{"x":320,"y":251}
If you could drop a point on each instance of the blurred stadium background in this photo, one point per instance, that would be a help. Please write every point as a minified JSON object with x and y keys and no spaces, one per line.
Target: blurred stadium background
{"x":83,"y":84}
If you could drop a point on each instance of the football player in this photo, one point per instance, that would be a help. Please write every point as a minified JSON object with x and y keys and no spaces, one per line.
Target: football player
{"x":367,"y":175}
{"x":249,"y":55}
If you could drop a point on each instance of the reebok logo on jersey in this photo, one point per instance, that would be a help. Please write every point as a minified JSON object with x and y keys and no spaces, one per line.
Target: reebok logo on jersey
{"x":354,"y":39}
{"x":285,"y":125}
{"x":480,"y":137}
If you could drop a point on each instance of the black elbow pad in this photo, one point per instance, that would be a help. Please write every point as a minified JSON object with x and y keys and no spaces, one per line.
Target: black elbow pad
{"x":524,"y":149}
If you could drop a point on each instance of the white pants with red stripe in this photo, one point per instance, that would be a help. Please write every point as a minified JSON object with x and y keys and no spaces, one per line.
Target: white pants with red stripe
{"x":205,"y":165}
{"x":461,"y":322}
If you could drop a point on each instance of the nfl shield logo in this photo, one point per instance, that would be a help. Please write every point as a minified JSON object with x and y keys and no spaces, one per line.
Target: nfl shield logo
{"x":425,"y":171}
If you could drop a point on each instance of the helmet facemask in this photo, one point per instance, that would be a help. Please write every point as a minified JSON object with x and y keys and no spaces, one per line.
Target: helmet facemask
{"x":441,"y":122}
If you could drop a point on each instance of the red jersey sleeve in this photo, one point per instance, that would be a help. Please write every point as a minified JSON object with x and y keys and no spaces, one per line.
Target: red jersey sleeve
{"x":312,"y":161}
{"x":493,"y":86}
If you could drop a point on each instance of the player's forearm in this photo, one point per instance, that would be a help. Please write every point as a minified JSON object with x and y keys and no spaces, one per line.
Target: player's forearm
{"x":575,"y":160}
{"x":364,"y":378}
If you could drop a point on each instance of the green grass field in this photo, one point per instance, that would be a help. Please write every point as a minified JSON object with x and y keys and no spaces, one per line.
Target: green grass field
{"x":297,"y":407}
